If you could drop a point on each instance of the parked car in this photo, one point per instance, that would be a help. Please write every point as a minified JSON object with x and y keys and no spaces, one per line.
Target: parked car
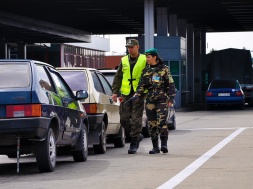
{"x":248,"y":92}
{"x":39,"y":112}
{"x":224,"y":92}
{"x":109,"y":74}
{"x":101,"y":109}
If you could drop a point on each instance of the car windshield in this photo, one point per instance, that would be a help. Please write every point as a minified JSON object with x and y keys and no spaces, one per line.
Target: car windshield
{"x":76,"y":80}
{"x":15,"y":75}
{"x":223,"y":84}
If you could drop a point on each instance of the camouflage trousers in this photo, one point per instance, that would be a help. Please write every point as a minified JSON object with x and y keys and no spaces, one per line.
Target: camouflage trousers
{"x":131,"y":115}
{"x":157,"y":114}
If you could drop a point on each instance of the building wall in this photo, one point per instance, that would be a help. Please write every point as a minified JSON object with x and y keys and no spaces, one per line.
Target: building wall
{"x":112,"y":61}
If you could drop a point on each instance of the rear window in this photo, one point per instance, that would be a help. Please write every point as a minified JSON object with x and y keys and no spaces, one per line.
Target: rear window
{"x":75,"y":80}
{"x":15,"y":75}
{"x":223,"y":84}
{"x":109,"y":77}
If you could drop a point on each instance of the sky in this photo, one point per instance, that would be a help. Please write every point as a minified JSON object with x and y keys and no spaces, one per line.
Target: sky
{"x":216,"y":41}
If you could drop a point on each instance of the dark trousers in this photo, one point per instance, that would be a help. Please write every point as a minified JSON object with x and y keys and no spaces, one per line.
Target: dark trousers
{"x":131,"y":115}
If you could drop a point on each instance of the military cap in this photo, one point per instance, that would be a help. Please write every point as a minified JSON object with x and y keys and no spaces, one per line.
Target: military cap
{"x":151,"y":51}
{"x":131,"y":42}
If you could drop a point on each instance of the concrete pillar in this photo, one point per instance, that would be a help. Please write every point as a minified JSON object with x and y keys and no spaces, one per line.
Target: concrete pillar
{"x":162,"y":21}
{"x":203,"y":43}
{"x":181,"y":27}
{"x":190,"y":63}
{"x":21,"y":51}
{"x":173,"y":30}
{"x":149,"y":24}
{"x":3,"y":50}
{"x":203,"y":54}
{"x":197,"y":67}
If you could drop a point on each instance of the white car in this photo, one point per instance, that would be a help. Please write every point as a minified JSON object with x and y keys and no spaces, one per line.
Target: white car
{"x":103,"y":112}
{"x":109,"y":74}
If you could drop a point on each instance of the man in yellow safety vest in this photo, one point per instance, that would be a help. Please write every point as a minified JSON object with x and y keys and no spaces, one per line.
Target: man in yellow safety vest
{"x":126,"y":81}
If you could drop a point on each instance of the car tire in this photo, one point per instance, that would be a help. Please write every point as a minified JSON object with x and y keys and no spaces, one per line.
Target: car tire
{"x":128,"y":137}
{"x":242,"y":106}
{"x":209,"y":107}
{"x":46,"y":153}
{"x":101,"y":147}
{"x":119,"y":142}
{"x":82,"y":144}
{"x":145,"y":130}
{"x":173,"y":125}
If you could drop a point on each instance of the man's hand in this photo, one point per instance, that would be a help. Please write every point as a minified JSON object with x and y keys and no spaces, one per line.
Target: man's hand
{"x":135,"y":97}
{"x":114,"y":97}
{"x":171,"y":102}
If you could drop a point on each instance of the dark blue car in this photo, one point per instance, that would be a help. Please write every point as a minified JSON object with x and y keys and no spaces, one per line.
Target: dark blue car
{"x":224,"y":92}
{"x":39,"y":112}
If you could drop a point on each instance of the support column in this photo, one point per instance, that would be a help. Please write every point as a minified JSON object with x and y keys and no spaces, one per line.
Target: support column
{"x":203,"y":70}
{"x":3,"y":50}
{"x":22,"y":51}
{"x":197,"y":67}
{"x":190,"y":63}
{"x":181,"y":23}
{"x":162,"y":21}
{"x":149,"y":24}
{"x":173,"y":30}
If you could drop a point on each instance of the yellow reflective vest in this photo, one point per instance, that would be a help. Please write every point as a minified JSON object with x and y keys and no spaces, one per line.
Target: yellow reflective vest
{"x":136,"y":73}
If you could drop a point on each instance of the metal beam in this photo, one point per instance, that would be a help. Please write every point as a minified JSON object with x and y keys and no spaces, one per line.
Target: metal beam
{"x":43,"y":27}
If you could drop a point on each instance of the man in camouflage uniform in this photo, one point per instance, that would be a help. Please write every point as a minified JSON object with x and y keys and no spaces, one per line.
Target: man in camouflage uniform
{"x":126,"y":81}
{"x":156,"y":78}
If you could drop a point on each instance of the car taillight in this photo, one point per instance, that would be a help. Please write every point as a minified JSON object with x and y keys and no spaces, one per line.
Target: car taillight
{"x":238,"y":93}
{"x":209,"y":93}
{"x":90,"y":108}
{"x":27,"y":110}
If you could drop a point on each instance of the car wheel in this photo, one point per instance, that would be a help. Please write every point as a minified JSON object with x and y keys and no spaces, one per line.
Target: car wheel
{"x":82,"y":144}
{"x":145,"y":130}
{"x":128,"y":137}
{"x":120,"y":141}
{"x":173,"y":125}
{"x":46,"y":153}
{"x":101,"y":147}
{"x":209,"y":107}
{"x":242,"y":106}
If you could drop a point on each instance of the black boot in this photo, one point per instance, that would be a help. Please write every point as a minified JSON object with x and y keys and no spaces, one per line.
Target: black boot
{"x":133,"y":146}
{"x":155,"y":149}
{"x":139,"y":140}
{"x":164,"y":148}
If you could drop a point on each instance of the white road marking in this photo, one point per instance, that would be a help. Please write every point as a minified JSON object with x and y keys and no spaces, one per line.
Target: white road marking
{"x":219,"y":128}
{"x":177,"y":179}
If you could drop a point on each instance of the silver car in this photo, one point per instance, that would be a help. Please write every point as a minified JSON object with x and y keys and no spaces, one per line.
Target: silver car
{"x":103,"y":112}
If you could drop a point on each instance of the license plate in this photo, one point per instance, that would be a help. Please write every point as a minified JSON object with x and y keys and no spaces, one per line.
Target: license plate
{"x":223,"y":94}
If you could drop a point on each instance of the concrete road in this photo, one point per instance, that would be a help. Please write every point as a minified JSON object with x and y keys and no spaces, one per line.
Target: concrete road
{"x":209,"y":150}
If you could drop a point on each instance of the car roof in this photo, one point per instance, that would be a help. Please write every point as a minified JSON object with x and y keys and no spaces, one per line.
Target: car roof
{"x":108,"y":71}
{"x":75,"y":68}
{"x":26,"y":60}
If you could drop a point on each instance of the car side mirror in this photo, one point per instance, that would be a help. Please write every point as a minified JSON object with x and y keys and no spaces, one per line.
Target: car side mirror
{"x":81,"y":94}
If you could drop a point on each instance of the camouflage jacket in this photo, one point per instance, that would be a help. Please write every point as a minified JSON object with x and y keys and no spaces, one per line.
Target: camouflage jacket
{"x":159,"y":83}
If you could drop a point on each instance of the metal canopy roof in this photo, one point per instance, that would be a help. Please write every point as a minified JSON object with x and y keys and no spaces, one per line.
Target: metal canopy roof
{"x":59,"y":21}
